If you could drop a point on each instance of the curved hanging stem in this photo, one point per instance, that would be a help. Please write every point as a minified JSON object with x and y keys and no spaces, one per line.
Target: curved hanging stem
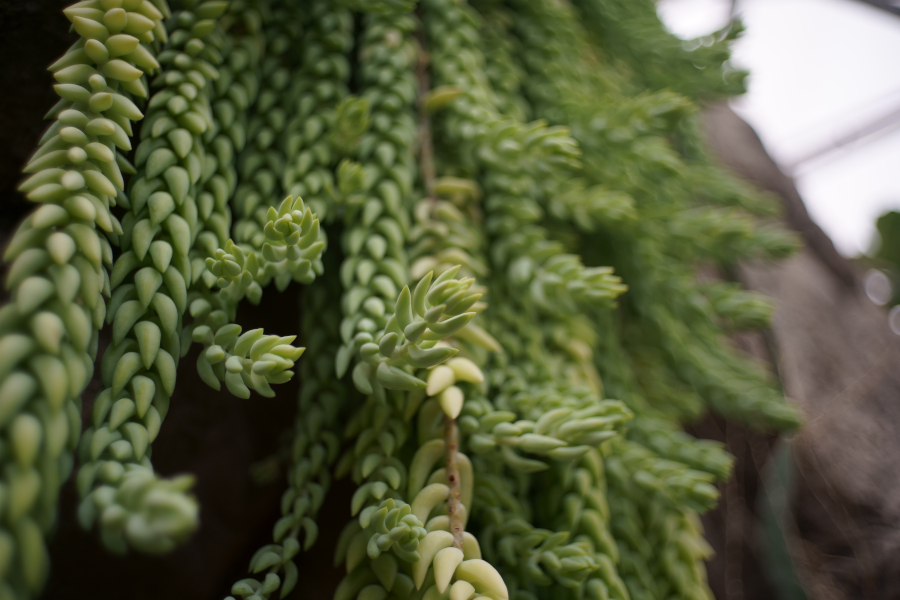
{"x":451,"y":450}
{"x":426,"y":164}
{"x":426,"y":149}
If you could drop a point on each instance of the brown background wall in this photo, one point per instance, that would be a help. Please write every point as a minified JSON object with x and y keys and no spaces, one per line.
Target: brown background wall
{"x":839,"y":361}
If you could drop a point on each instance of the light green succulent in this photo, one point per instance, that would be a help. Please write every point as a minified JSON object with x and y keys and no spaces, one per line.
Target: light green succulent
{"x":503,"y":330}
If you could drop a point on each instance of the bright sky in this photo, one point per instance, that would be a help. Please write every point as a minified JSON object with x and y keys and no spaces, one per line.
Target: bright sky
{"x":820,"y":70}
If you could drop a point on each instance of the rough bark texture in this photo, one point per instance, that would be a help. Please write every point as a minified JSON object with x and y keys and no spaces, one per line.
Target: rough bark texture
{"x":839,"y":361}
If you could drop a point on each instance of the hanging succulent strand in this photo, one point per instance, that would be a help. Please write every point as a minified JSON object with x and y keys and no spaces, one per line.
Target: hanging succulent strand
{"x":316,"y":441}
{"x":451,"y":430}
{"x":313,"y":450}
{"x":178,"y":226}
{"x":326,"y":123}
{"x":58,"y":276}
{"x":149,"y":297}
{"x":411,"y":339}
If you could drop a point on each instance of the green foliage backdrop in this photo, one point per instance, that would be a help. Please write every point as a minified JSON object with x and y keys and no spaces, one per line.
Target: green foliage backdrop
{"x":888,"y":251}
{"x":497,"y":210}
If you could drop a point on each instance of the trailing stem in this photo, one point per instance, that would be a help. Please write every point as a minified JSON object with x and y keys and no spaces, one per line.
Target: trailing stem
{"x":426,"y":149}
{"x":426,"y":164}
{"x":451,"y":451}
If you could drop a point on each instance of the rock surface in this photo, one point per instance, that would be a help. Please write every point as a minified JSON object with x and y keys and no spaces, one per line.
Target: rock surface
{"x":839,"y":361}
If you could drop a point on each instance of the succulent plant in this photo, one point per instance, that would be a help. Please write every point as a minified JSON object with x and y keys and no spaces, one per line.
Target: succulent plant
{"x":502,"y":325}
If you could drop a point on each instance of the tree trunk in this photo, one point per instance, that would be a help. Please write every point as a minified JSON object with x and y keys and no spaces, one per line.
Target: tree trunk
{"x":838,"y":360}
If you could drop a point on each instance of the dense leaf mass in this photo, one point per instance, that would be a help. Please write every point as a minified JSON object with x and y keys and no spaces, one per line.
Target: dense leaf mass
{"x":497,"y":209}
